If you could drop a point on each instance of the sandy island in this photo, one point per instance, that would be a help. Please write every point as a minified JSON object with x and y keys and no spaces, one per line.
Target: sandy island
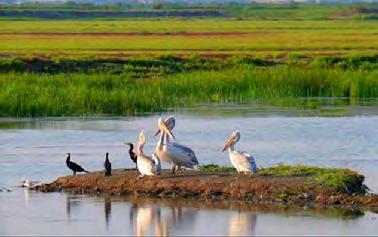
{"x":262,"y":189}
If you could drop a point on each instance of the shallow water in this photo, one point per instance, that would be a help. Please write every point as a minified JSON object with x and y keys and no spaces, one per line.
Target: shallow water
{"x":35,"y":149}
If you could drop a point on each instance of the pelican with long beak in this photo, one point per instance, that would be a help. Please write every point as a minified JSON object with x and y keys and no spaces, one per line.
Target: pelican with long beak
{"x":169,"y":124}
{"x":242,"y":161}
{"x":147,"y":165}
{"x":172,"y":152}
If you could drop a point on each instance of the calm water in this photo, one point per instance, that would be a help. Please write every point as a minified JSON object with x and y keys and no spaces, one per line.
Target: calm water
{"x":35,"y":149}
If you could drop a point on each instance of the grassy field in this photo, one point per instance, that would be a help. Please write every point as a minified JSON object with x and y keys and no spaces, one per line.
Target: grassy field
{"x":230,"y":9}
{"x":121,"y":66}
{"x":205,"y":36}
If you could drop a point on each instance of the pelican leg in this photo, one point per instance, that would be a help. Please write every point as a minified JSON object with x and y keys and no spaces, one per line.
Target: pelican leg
{"x":140,"y":176}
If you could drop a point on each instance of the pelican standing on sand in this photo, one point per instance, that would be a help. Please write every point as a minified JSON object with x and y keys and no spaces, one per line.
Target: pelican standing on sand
{"x":147,"y":165}
{"x":172,"y":152}
{"x":242,"y":161}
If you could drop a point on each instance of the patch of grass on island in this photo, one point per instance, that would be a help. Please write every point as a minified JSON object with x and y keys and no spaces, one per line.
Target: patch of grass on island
{"x":332,"y":179}
{"x":216,"y":168}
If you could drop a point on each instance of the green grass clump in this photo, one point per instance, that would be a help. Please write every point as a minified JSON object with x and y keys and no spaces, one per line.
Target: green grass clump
{"x":347,"y":63}
{"x":136,"y":67}
{"x":334,"y":179}
{"x":213,"y":167}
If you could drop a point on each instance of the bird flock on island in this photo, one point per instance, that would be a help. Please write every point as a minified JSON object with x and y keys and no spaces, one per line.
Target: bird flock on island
{"x":169,"y":151}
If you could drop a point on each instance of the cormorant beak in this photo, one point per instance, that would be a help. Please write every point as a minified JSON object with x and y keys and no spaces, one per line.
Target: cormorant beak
{"x":164,"y":128}
{"x":228,"y":143}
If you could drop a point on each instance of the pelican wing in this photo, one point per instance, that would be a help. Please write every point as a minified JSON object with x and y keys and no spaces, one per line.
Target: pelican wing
{"x":243,"y":162}
{"x":146,"y":166}
{"x":251,"y":161}
{"x":182,"y":154}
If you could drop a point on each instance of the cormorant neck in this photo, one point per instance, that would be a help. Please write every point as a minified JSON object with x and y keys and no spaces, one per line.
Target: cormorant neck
{"x":131,"y":147}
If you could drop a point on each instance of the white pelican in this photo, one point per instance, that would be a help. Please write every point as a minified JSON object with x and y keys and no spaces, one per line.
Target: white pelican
{"x":172,"y":152}
{"x":242,"y":161}
{"x":170,"y":123}
{"x":146,"y":164}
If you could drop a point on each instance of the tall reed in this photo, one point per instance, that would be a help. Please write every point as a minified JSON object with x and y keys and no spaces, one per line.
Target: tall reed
{"x":28,"y":94}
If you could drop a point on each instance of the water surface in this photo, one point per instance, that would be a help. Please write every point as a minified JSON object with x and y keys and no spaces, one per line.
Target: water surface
{"x":35,"y":149}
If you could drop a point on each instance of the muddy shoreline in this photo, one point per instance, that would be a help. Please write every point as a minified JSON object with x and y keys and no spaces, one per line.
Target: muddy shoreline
{"x":293,"y":191}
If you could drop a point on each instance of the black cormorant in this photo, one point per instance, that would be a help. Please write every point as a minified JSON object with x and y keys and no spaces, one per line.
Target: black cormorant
{"x":132,"y":155}
{"x":107,"y":165}
{"x":73,"y":166}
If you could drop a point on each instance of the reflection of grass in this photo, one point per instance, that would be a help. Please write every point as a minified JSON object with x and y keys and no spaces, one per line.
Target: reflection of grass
{"x":94,"y":94}
{"x":327,"y":212}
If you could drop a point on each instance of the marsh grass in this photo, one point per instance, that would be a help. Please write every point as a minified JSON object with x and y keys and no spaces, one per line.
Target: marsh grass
{"x":63,"y":94}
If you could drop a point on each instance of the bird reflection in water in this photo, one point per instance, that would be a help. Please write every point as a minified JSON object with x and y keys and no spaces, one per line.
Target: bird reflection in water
{"x":242,"y":224}
{"x":146,"y":217}
{"x":108,"y":210}
{"x":71,"y":202}
{"x":159,"y":221}
{"x":26,"y":196}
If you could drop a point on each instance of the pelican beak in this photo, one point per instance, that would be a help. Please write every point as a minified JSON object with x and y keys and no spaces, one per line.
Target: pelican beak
{"x":228,"y":144}
{"x":164,"y":128}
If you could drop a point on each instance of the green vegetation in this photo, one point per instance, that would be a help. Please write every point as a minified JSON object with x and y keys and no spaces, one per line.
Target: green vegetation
{"x":321,"y":27}
{"x":233,"y":52}
{"x":228,"y":9}
{"x":208,"y":37}
{"x":217,"y":168}
{"x":339,"y":180}
{"x":332,"y":179}
{"x":168,"y":83}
